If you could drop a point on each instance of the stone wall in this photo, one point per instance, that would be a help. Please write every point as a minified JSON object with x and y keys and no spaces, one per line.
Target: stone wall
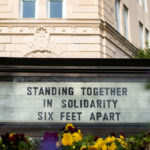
{"x":87,"y":30}
{"x":66,"y":38}
{"x":136,"y":14}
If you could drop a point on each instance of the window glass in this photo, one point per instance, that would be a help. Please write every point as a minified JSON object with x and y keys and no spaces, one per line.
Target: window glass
{"x":144,"y":4}
{"x":28,"y":9}
{"x":141,"y":34}
{"x":139,"y":1}
{"x":126,"y":22}
{"x":117,"y":9}
{"x":56,"y":8}
{"x":146,"y":37}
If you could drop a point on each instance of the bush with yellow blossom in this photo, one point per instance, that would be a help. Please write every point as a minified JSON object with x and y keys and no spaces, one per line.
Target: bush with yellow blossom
{"x":109,"y":143}
{"x":72,"y":139}
{"x":14,"y":141}
{"x":1,"y":144}
{"x":139,"y":142}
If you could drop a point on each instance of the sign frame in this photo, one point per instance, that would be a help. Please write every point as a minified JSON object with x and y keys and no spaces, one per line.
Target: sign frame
{"x":28,"y":67}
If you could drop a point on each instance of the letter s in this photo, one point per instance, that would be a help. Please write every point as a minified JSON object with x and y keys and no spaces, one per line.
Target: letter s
{"x":63,"y":103}
{"x":29,"y":92}
{"x":40,"y":115}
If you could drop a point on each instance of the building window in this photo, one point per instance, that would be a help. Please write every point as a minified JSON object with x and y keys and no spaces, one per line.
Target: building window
{"x":139,"y":1}
{"x":55,"y":8}
{"x":141,"y":34}
{"x":117,"y":9}
{"x":144,"y":4}
{"x":28,"y":8}
{"x":147,"y":37}
{"x":126,"y":26}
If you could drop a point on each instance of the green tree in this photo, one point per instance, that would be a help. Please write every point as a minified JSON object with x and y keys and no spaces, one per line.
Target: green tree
{"x":144,"y":53}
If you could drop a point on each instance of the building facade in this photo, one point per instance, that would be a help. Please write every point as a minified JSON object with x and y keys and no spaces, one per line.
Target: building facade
{"x":73,"y":28}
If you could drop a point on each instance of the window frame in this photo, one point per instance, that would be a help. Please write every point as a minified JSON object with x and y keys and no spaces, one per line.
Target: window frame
{"x":21,"y":9}
{"x":126,"y":21}
{"x":117,"y":15}
{"x":63,"y":9}
{"x":141,"y":32}
{"x":146,"y":37}
{"x":139,"y":2}
{"x":144,"y":4}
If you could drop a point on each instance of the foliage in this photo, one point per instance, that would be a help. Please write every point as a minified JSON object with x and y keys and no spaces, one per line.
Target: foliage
{"x":139,"y":142}
{"x":143,"y":53}
{"x":14,"y":141}
{"x":71,"y":138}
{"x":35,"y":143}
{"x":1,"y":144}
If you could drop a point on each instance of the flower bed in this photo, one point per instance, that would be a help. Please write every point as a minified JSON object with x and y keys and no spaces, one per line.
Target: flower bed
{"x":71,"y":138}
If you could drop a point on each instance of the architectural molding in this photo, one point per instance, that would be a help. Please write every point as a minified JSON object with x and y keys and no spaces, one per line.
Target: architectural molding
{"x":45,"y":36}
{"x":117,"y":39}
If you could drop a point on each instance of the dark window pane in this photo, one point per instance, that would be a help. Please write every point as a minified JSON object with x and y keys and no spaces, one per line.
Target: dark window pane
{"x":55,"y":9}
{"x":28,"y":9}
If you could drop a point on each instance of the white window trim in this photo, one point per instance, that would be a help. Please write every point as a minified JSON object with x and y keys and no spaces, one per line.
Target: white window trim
{"x":48,"y":8}
{"x":36,"y":8}
{"x":63,"y":8}
{"x":21,"y":9}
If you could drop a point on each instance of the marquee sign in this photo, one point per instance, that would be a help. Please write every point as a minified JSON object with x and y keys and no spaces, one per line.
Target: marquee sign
{"x":99,"y":95}
{"x":78,"y":102}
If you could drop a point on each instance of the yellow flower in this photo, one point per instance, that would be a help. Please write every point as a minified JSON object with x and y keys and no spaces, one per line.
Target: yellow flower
{"x":113,"y":138}
{"x":69,"y":124}
{"x":74,"y":147}
{"x":99,"y":142}
{"x":108,"y":139}
{"x":104,"y":146}
{"x":123,"y":143}
{"x":11,"y":135}
{"x":76,"y":137}
{"x":79,"y":131}
{"x":92,"y":147}
{"x":83,"y":147}
{"x":3,"y":146}
{"x":121,"y":137}
{"x":67,"y":139}
{"x":113,"y":146}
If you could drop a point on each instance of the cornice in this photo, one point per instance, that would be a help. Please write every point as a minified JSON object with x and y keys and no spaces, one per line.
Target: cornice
{"x":54,"y":26}
{"x":68,"y":27}
{"x":49,"y":21}
{"x":107,"y":27}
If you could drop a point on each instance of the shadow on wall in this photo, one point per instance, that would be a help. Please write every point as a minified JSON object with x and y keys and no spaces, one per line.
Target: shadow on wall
{"x":40,"y":54}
